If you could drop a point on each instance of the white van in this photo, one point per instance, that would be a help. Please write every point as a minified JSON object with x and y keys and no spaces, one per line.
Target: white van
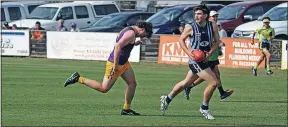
{"x":81,"y":13}
{"x":12,"y":11}
{"x":102,"y":8}
{"x":279,"y":19}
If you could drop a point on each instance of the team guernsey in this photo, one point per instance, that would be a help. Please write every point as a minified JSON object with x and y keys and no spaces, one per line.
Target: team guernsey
{"x":125,"y":51}
{"x":123,"y":58}
{"x":265,"y":34}
{"x":202,"y":39}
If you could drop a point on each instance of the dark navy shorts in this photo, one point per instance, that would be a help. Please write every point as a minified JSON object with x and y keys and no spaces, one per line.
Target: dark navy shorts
{"x":265,"y":45}
{"x":198,"y":67}
{"x":213,"y":64}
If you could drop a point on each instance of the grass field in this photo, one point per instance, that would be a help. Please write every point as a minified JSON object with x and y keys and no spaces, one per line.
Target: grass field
{"x":33,"y":94}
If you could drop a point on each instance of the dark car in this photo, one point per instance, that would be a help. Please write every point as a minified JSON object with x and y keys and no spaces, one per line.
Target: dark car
{"x":115,"y":22}
{"x":219,"y":2}
{"x":168,"y":20}
{"x":242,"y":12}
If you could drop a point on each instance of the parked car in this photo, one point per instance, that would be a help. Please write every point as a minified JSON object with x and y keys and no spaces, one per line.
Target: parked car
{"x":102,"y":8}
{"x":279,"y":19}
{"x":169,"y":19}
{"x":81,"y":13}
{"x":160,"y":5}
{"x":117,"y":21}
{"x":219,"y":2}
{"x":12,"y":11}
{"x":238,"y":13}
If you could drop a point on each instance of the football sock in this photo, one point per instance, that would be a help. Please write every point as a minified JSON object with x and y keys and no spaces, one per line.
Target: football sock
{"x":126,"y":106}
{"x":81,"y":80}
{"x":192,"y":85}
{"x":169,"y":98}
{"x":204,"y":106}
{"x":267,"y":66}
{"x":221,"y":90}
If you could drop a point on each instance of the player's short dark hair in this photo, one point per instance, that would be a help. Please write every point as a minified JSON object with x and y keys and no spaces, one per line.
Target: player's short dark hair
{"x":266,"y":18}
{"x":146,"y":25}
{"x":38,"y":23}
{"x":182,"y":24}
{"x":203,"y":8}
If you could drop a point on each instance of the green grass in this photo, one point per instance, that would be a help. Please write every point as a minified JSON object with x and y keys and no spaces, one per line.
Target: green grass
{"x":33,"y":94}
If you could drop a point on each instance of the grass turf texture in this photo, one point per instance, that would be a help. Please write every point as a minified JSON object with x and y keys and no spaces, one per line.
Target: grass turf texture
{"x":33,"y":94}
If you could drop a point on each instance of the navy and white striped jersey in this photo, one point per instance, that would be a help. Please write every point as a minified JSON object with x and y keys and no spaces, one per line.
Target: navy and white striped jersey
{"x":202,"y":37}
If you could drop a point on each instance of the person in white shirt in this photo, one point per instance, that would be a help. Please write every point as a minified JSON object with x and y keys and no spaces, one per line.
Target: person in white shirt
{"x":222,"y":32}
{"x":74,"y":28}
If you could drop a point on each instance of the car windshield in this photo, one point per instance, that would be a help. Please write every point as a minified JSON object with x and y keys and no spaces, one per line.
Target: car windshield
{"x":230,"y":12}
{"x":164,"y":16}
{"x":276,"y":14}
{"x":46,"y":13}
{"x":110,"y":20}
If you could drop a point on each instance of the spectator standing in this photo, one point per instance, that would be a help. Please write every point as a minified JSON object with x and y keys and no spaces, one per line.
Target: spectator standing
{"x":222,"y":32}
{"x":61,"y":26}
{"x":38,"y":32}
{"x":74,"y":27}
{"x":6,"y":26}
{"x":14,"y":27}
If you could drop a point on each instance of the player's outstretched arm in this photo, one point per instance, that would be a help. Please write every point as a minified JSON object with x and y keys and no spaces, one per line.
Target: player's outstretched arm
{"x":186,"y":33}
{"x":127,"y":38}
{"x":253,"y":35}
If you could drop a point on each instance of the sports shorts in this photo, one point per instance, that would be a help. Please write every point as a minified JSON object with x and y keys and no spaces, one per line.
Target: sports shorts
{"x":212,"y":64}
{"x":119,"y":71}
{"x":264,"y":46}
{"x":198,"y":67}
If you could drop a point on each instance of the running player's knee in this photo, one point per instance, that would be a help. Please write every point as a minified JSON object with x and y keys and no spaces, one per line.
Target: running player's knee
{"x":132,"y":84}
{"x":215,"y":83}
{"x":186,"y":83}
{"x":104,"y":90}
{"x":261,"y":58}
{"x":268,"y":55}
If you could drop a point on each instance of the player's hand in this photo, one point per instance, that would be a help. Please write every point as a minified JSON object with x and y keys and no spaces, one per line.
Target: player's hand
{"x":113,"y":71}
{"x":208,"y":55}
{"x":143,"y":41}
{"x":138,"y":41}
{"x":252,"y":43}
{"x":190,"y":55}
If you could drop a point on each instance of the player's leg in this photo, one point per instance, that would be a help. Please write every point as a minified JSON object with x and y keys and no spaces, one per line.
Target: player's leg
{"x":190,"y":77}
{"x":103,"y":87}
{"x":212,"y":81}
{"x":223,"y":94}
{"x":129,"y":77}
{"x":254,"y":69}
{"x":267,"y":56}
{"x":166,"y":100}
{"x":187,"y":90}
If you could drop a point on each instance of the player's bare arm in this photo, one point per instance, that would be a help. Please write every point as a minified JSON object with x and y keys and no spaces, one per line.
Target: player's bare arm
{"x":186,"y":33}
{"x":216,"y":38}
{"x":252,"y":39}
{"x":127,"y":38}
